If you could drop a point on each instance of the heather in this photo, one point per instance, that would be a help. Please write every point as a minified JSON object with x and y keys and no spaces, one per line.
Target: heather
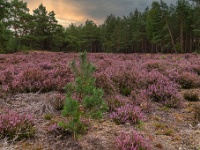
{"x":127,"y":114}
{"x":15,"y":126}
{"x":160,"y":76}
{"x":33,"y":73}
{"x":160,"y":88}
{"x":138,"y":89}
{"x":191,"y":96}
{"x":132,"y":141}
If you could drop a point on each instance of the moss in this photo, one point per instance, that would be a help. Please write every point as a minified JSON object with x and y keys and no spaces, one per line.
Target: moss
{"x":48,"y":116}
{"x":159,"y":125}
{"x":163,"y":129}
{"x":167,"y":132}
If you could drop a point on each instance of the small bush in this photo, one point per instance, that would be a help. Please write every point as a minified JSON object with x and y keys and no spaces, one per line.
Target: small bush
{"x":161,"y":89}
{"x":150,"y":65}
{"x":132,"y":141}
{"x":197,"y":69}
{"x":124,"y":79}
{"x":104,"y":82}
{"x":140,"y":98}
{"x":84,"y":90}
{"x":191,"y":96}
{"x":16,"y":126}
{"x":127,"y":113}
{"x":116,"y":101}
{"x":83,"y":98}
{"x":117,"y":78}
{"x":188,"y":80}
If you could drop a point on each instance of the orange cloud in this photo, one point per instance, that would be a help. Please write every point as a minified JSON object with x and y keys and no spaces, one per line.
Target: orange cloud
{"x":66,"y":13}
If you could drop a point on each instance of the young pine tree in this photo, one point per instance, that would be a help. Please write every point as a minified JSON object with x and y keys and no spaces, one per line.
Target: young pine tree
{"x":83,"y":98}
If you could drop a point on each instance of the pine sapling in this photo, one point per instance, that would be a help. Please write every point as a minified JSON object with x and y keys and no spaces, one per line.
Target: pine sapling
{"x":83,"y":98}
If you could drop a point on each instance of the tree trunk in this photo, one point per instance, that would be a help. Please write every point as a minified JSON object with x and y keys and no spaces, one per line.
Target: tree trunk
{"x":172,"y":39}
{"x":181,"y":35}
{"x":191,"y":39}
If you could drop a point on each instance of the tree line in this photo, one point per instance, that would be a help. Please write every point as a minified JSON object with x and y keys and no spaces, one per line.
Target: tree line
{"x":160,"y":28}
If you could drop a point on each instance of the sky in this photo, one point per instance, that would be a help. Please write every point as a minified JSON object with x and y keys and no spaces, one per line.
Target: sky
{"x":78,"y":11}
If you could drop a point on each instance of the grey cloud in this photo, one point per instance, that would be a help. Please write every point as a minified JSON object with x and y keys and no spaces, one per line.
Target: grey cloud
{"x":99,"y":9}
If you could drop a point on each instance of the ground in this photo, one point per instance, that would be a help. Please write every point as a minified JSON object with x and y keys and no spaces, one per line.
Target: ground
{"x":167,"y":128}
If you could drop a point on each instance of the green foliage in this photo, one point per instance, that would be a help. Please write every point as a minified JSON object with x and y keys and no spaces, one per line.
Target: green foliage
{"x":3,"y":8}
{"x":7,"y":41}
{"x":72,"y":110}
{"x":45,"y":30}
{"x":94,"y":105}
{"x":83,"y":99}
{"x":71,"y":107}
{"x":161,"y":28}
{"x":62,"y":125}
{"x":197,"y":51}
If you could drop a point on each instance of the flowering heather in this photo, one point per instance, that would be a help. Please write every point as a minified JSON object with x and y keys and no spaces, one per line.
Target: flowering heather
{"x":152,"y":64}
{"x":16,"y":126}
{"x":116,"y":101}
{"x":103,"y":81}
{"x":132,"y":141}
{"x":160,"y":88}
{"x":127,"y":113}
{"x":188,"y":80}
{"x":141,"y":99}
{"x":34,"y":72}
{"x":53,"y":127}
{"x":116,"y":74}
{"x":120,"y":77}
{"x":196,"y":65}
{"x":125,"y":80}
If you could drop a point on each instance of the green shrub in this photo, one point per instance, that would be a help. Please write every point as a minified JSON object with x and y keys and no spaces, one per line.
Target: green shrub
{"x":83,"y":99}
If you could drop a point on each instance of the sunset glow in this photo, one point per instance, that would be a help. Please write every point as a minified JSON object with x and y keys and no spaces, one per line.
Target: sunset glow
{"x":76,"y":11}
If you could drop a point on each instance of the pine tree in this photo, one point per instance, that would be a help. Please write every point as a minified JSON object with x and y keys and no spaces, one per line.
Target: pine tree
{"x":18,"y":21}
{"x":156,"y":26}
{"x":182,"y":11}
{"x":4,"y":5}
{"x":44,"y":28}
{"x":82,"y":96}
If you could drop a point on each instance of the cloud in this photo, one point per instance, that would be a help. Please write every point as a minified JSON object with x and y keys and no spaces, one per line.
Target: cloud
{"x":66,"y":13}
{"x":78,"y":11}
